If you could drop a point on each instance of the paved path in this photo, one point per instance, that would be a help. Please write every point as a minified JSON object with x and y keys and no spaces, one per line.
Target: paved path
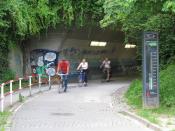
{"x":80,"y":109}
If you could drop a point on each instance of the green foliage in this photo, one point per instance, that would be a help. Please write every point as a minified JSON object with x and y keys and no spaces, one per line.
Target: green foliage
{"x":21,"y":19}
{"x":3,"y":120}
{"x":149,"y":115}
{"x":136,"y":16}
{"x":30,"y":17}
{"x":8,"y":75}
{"x":24,"y":84}
{"x":169,"y":6}
{"x":167,"y":90}
{"x":3,"y":57}
{"x":116,"y":11}
{"x":167,"y":98}
{"x":134,"y":93}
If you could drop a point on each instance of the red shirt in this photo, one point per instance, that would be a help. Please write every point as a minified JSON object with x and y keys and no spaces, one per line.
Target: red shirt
{"x":63,"y":66}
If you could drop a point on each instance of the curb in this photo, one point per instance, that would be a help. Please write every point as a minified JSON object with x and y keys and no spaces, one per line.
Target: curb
{"x":143,"y":121}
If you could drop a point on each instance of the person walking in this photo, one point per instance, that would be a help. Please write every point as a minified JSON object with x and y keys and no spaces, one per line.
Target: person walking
{"x":83,"y":66}
{"x":63,"y":68}
{"x":106,"y":65}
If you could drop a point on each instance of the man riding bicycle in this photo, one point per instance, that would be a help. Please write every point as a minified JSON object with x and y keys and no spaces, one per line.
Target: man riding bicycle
{"x":106,"y":65}
{"x":63,"y":68}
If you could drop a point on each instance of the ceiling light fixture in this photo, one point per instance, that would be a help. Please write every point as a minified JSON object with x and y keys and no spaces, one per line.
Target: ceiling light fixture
{"x":130,"y":46}
{"x":98,"y":43}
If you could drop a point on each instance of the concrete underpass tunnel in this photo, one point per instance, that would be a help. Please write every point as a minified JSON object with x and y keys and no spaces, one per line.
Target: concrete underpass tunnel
{"x":75,"y":45}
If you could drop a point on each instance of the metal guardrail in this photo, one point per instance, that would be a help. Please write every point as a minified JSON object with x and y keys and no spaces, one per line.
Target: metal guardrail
{"x":11,"y":91}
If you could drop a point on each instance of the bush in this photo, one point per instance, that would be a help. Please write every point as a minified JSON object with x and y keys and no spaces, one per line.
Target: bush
{"x":167,"y":89}
{"x":7,"y":75}
{"x":134,"y":93}
{"x":167,"y":86}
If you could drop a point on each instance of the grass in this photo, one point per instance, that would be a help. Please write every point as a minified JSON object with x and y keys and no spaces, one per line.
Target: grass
{"x":134,"y":99}
{"x":4,"y":116}
{"x":149,"y":115}
{"x":24,"y":84}
{"x":3,"y":120}
{"x":169,"y":111}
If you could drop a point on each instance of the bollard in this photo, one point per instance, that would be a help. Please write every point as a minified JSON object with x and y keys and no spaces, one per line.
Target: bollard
{"x":39,"y":82}
{"x":20,"y":88}
{"x":2,"y":97}
{"x":11,"y":92}
{"x":49,"y":82}
{"x":30,"y":85}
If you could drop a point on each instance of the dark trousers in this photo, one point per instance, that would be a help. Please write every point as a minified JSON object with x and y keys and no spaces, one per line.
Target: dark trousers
{"x":85,"y":73}
{"x":65,"y":81}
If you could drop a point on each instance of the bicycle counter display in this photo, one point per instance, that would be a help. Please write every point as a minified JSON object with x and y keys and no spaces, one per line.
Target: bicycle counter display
{"x":150,"y":70}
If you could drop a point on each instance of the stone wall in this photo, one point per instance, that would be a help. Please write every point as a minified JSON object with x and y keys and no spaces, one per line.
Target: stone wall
{"x":16,"y":60}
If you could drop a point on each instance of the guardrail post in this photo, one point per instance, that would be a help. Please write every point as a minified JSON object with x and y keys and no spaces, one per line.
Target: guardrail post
{"x":30,"y":85}
{"x":20,"y":88}
{"x":39,"y":82}
{"x":11,"y":92}
{"x":2,"y":97}
{"x":49,"y":82}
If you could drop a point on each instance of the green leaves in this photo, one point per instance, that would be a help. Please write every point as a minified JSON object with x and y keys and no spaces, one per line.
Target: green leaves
{"x":136,"y":16}
{"x":167,"y":82}
{"x":21,"y":19}
{"x":169,"y":5}
{"x":29,"y":17}
{"x":116,"y":10}
{"x":134,"y":93}
{"x":167,"y":90}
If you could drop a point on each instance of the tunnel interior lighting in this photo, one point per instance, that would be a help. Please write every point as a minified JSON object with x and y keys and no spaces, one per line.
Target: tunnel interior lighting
{"x":98,"y":43}
{"x":130,"y":46}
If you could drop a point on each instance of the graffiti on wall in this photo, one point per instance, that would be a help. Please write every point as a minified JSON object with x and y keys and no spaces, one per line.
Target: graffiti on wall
{"x":72,"y":51}
{"x":43,"y":62}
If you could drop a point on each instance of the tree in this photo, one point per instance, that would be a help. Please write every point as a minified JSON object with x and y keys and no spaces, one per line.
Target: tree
{"x":21,"y":19}
{"x":136,"y":16}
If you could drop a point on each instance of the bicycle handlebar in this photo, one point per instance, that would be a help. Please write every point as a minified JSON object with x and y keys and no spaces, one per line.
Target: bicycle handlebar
{"x":61,"y":74}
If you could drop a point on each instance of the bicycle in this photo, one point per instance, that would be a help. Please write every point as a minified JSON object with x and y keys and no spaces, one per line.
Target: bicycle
{"x":61,"y":86}
{"x":81,"y":78}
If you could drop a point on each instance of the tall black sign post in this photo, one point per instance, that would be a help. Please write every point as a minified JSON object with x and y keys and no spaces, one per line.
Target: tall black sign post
{"x":150,"y":70}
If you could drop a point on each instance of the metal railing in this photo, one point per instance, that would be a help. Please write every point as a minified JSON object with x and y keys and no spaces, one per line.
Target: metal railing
{"x":19,"y":80}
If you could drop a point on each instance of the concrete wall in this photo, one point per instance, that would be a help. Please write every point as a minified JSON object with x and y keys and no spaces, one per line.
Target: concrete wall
{"x":75,"y":45}
{"x":16,"y":60}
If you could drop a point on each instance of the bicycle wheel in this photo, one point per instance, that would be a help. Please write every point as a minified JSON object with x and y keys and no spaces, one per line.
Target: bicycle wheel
{"x":80,"y":80}
{"x":60,"y":86}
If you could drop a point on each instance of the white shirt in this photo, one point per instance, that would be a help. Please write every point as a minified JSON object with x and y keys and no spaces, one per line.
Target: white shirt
{"x":106,"y":64}
{"x":83,"y":65}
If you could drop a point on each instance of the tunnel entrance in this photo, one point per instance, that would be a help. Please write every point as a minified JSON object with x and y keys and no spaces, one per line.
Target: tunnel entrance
{"x":74,"y":44}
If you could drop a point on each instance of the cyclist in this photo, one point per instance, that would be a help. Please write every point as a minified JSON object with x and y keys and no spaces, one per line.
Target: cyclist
{"x":106,"y":65}
{"x":63,"y":68}
{"x":84,"y":67}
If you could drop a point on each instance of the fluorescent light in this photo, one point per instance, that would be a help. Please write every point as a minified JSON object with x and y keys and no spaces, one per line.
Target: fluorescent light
{"x":98,"y":43}
{"x":130,"y":46}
